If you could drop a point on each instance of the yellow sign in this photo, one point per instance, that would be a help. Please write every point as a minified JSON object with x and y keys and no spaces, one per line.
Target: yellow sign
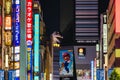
{"x":7,"y":6}
{"x":117,"y":52}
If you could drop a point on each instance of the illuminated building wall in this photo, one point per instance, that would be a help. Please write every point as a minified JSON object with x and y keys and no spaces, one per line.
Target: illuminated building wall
{"x":113,"y":31}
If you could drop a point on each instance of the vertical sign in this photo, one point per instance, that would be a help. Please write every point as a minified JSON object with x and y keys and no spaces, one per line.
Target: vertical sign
{"x":36,"y":44}
{"x":29,"y":38}
{"x":104,"y":38}
{"x":66,"y":63}
{"x":92,"y":70}
{"x":16,"y":37}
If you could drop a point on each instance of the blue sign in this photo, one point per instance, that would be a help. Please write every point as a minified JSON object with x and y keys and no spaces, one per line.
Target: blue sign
{"x":16,"y":24}
{"x":1,"y":75}
{"x":17,"y":78}
{"x":100,"y":74}
{"x":36,"y":42}
{"x":92,"y":70}
{"x":11,"y":75}
{"x":29,"y":61}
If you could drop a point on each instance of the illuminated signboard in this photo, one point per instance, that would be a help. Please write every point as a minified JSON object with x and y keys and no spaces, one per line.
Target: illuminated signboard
{"x":17,"y":65}
{"x":36,"y":42}
{"x":117,"y":16}
{"x":36,"y":77}
{"x":17,"y":26}
{"x":8,"y":38}
{"x":104,"y":38}
{"x":66,"y":63}
{"x":29,"y":22}
{"x":8,"y":23}
{"x":8,"y":6}
{"x":81,"y":52}
{"x":29,"y":62}
{"x":29,"y":38}
{"x":92,"y":70}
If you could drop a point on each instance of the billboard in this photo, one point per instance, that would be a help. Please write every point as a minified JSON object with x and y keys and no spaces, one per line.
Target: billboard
{"x":1,"y":75}
{"x":36,"y":42}
{"x":8,"y":23}
{"x":66,"y":63}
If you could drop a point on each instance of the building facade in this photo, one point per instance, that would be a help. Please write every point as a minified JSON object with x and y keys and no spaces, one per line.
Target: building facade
{"x":113,"y":19}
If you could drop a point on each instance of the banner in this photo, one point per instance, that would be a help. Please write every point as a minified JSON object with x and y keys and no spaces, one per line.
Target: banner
{"x":66,"y":63}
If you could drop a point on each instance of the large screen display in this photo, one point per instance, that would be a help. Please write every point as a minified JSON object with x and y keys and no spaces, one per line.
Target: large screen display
{"x":66,"y":63}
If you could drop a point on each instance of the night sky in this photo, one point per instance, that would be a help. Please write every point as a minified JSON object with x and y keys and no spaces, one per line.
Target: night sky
{"x":58,"y":14}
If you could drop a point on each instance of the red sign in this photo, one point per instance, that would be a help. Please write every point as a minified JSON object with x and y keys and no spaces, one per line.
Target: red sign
{"x":29,"y":20}
{"x":117,"y":16}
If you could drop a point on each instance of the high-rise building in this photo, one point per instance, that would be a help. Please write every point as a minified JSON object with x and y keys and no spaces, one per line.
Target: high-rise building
{"x":113,"y":14}
{"x":86,"y":21}
{"x":86,"y":35}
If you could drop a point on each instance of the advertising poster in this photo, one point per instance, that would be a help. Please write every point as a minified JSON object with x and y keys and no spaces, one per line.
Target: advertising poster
{"x":1,"y":75}
{"x":83,"y":74}
{"x":66,"y":63}
{"x":100,"y":74}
